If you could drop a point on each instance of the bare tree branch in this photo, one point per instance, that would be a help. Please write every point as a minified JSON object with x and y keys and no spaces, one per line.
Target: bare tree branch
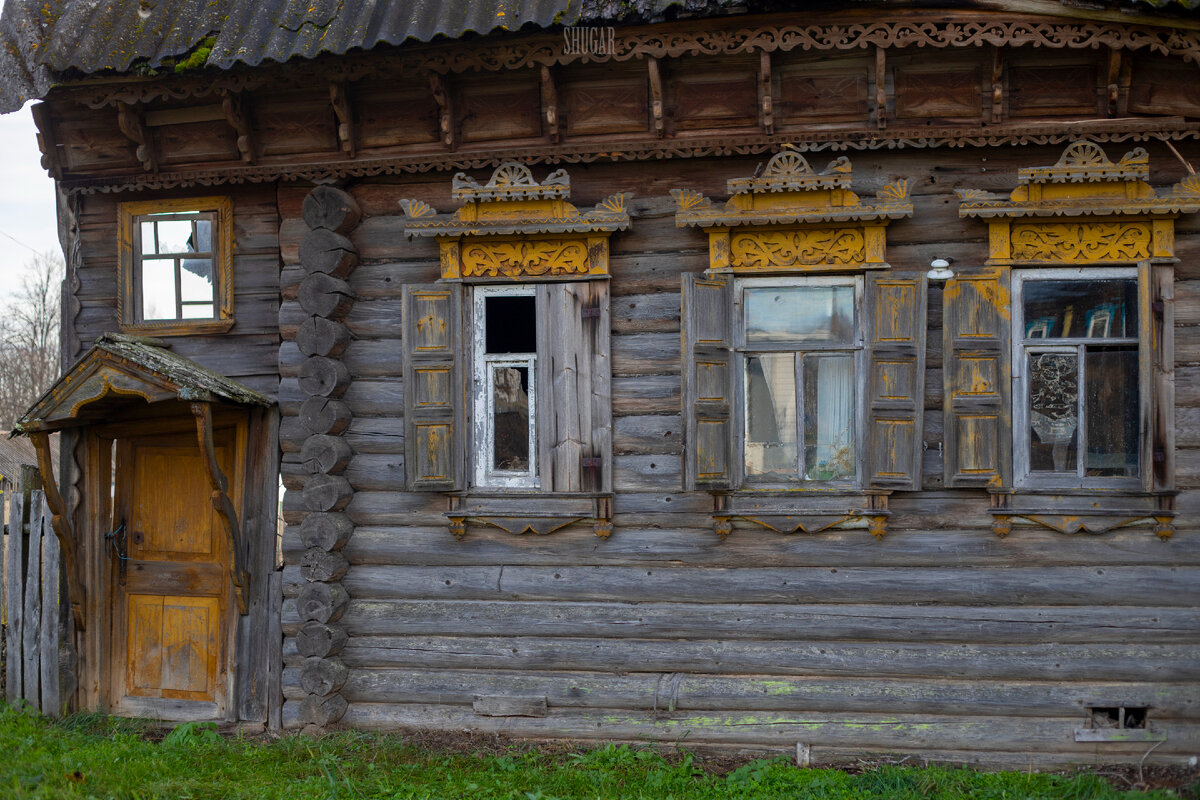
{"x":29,"y":325}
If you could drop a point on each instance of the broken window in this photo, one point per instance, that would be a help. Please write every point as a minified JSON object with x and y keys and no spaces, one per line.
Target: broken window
{"x":175,"y":265}
{"x":505,"y":369}
{"x":1079,"y":402}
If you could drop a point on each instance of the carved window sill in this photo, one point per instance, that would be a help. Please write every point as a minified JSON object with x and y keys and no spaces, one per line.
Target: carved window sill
{"x":511,"y":512}
{"x":795,"y":512}
{"x":1083,"y":512}
{"x":178,"y":327}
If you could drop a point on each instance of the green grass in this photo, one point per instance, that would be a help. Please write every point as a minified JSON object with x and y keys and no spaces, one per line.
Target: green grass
{"x":90,"y":756}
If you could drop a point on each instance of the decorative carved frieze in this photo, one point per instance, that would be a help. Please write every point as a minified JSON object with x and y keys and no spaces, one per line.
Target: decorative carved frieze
{"x":513,"y":227}
{"x":779,"y":219}
{"x":1085,"y":187}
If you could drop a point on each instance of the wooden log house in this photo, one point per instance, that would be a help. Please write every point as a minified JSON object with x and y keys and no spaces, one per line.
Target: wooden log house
{"x":712,"y":374}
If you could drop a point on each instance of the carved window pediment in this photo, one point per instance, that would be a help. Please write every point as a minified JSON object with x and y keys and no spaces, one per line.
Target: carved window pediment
{"x":790,"y":218}
{"x":514,"y":228}
{"x":1103,"y":212}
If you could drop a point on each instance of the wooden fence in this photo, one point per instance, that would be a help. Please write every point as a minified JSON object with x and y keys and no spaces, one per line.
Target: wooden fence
{"x":34,"y":604}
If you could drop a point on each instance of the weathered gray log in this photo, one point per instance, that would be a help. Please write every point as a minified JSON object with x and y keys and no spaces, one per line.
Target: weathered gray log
{"x":322,"y":676}
{"x":330,"y":208}
{"x":318,"y":336}
{"x":327,"y":493}
{"x":325,"y":454}
{"x":326,"y":531}
{"x":500,"y":705}
{"x":327,"y":252}
{"x":325,"y":296}
{"x":322,"y":602}
{"x":322,"y":711}
{"x":320,"y":639}
{"x":324,"y":377}
{"x":318,"y":565}
{"x":325,"y":415}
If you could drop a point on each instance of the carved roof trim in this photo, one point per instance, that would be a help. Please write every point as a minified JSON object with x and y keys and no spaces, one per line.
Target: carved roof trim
{"x":1042,"y":193}
{"x":512,"y":184}
{"x":816,"y":197}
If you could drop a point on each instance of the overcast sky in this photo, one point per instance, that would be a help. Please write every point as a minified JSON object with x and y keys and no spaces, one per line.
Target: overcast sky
{"x":27,"y":218}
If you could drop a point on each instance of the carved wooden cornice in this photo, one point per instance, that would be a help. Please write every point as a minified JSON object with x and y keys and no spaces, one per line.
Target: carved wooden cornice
{"x":514,"y":227}
{"x":848,"y":32}
{"x":791,"y":217}
{"x":619,"y":149}
{"x":1111,"y":214}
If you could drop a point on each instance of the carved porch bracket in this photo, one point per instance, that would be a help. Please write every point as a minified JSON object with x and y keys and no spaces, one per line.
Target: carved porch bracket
{"x":219,"y":485}
{"x":550,"y":104}
{"x":794,"y":219}
{"x":513,"y":227}
{"x":441,"y":96}
{"x":61,"y":525}
{"x":1084,"y":209}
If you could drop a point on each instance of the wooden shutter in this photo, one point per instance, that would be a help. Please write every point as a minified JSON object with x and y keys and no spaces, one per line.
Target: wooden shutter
{"x":574,"y":395}
{"x":433,"y":394}
{"x":1156,"y":311}
{"x":708,"y":382}
{"x":977,"y":321}
{"x":895,"y":311}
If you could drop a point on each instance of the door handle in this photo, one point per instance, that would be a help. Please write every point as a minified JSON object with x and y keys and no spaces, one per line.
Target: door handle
{"x":120,"y":547}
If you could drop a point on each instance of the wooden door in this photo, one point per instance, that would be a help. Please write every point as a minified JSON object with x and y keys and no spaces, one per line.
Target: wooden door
{"x":171,"y":598}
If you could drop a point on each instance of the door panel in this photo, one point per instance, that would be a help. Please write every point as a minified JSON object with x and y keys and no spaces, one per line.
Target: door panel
{"x":172,"y":609}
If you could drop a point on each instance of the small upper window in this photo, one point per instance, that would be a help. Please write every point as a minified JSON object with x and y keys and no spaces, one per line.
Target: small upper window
{"x":176,"y":274}
{"x":1079,"y":403}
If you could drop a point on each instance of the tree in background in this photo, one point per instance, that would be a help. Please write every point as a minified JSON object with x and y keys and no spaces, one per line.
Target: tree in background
{"x":29,"y":324}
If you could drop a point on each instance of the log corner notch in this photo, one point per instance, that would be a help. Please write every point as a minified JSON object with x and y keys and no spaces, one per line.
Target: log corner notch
{"x":219,"y":485}
{"x":61,"y":525}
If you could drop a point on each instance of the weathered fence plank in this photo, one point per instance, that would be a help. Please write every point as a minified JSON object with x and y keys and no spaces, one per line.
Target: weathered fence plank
{"x":51,"y":618}
{"x":14,"y":598}
{"x":31,"y":629}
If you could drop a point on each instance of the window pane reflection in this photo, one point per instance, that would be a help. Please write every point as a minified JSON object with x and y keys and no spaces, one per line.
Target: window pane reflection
{"x":771,"y":432}
{"x":828,"y":417}
{"x":158,"y":288}
{"x":510,"y":410}
{"x":1100,"y":309}
{"x":1110,"y":385}
{"x":175,"y":236}
{"x":1053,"y":412}
{"x":800,"y":313}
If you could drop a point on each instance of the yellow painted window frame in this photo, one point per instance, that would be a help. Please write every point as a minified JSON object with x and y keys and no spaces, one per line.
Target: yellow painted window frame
{"x":129,"y":262}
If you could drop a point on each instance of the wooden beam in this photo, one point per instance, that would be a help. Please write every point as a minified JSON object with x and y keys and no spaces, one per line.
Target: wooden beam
{"x":61,"y":525}
{"x":221,"y":502}
{"x":341,"y":108}
{"x":997,"y":84}
{"x":880,"y":87}
{"x":441,"y":96}
{"x":131,"y":123}
{"x":47,"y":142}
{"x":766,"y":114}
{"x":656,"y":95}
{"x":235,"y":115}
{"x":550,"y":104}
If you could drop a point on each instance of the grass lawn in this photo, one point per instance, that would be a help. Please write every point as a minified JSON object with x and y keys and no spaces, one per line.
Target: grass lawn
{"x":89,"y":756}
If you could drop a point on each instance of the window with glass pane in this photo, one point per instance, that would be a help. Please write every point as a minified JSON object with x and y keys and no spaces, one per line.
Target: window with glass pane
{"x":505,"y":396}
{"x":800,"y":344}
{"x":175,"y":272}
{"x":1081,"y":397}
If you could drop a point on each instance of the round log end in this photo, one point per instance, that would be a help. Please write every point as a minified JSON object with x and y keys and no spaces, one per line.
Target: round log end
{"x":327,"y":493}
{"x":326,"y":531}
{"x":322,"y":711}
{"x":322,"y":602}
{"x":325,"y":296}
{"x":322,"y":676}
{"x":328,"y":252}
{"x":323,"y":377}
{"x":321,"y":567}
{"x":318,"y":336}
{"x":320,"y":639}
{"x":325,"y":415}
{"x":330,"y":208}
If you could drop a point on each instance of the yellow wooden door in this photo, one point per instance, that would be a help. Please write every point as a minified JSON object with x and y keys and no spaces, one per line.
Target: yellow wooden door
{"x":171,"y":599}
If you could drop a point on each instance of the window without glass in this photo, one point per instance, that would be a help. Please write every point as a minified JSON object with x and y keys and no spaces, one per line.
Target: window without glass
{"x":800,"y":346}
{"x":1078,"y":399}
{"x":505,"y":394}
{"x":176,"y":265}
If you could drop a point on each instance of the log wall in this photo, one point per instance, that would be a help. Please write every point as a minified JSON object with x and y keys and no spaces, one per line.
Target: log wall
{"x":940,"y":639}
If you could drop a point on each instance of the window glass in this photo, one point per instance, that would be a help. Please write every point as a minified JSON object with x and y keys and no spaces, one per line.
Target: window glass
{"x":829,"y":417}
{"x":1111,"y":399}
{"x":505,"y":374}
{"x":1053,"y":411}
{"x":818,"y":314}
{"x":158,"y":288}
{"x":510,"y":417}
{"x":173,"y":286}
{"x":1095,"y":309}
{"x":771,"y":430}
{"x":510,"y":324}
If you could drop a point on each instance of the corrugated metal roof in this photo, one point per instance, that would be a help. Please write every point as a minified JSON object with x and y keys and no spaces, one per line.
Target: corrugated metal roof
{"x":39,"y":38}
{"x":42,"y":38}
